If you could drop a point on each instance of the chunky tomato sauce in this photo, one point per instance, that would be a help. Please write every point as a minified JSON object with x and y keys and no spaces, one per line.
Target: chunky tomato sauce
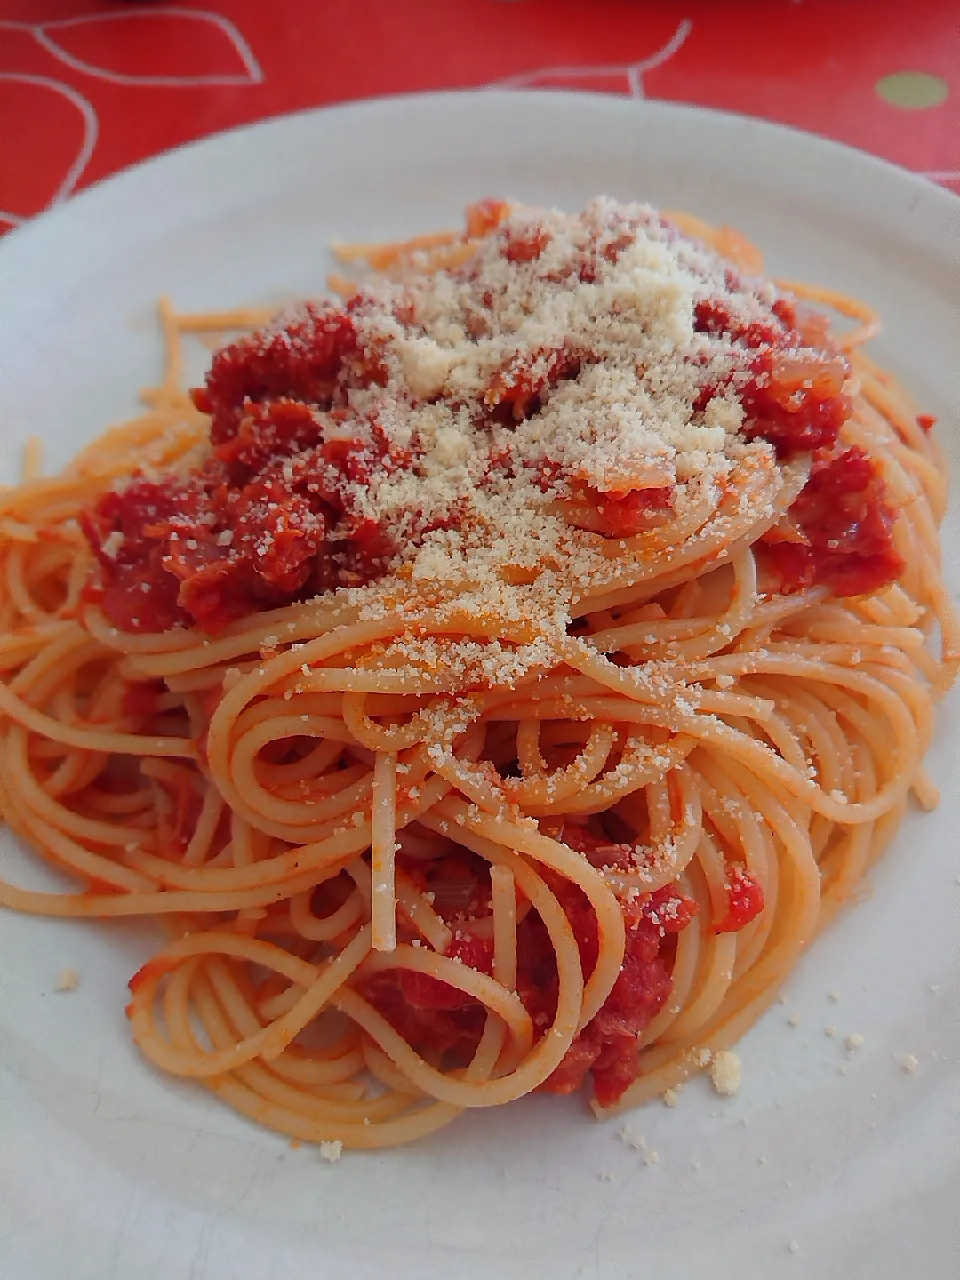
{"x":797,"y":406}
{"x":275,"y":514}
{"x":744,"y":901}
{"x":272,"y":516}
{"x":840,"y":531}
{"x":441,"y":1019}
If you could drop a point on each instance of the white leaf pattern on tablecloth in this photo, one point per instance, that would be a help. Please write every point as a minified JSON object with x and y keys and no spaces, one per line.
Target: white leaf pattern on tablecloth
{"x":154,"y":45}
{"x":64,"y":122}
{"x":625,"y":78}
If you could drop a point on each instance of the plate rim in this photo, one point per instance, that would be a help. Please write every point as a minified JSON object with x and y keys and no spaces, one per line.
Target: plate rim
{"x":21,"y":237}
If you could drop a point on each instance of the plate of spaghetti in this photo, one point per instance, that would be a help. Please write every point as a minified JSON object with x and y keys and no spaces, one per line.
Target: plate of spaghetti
{"x":501,"y":665}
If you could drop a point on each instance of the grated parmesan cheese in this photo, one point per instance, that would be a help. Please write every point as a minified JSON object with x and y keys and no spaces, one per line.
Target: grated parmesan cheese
{"x":113,"y":544}
{"x":725,"y":1072}
{"x":635,"y":1140}
{"x":517,"y":383}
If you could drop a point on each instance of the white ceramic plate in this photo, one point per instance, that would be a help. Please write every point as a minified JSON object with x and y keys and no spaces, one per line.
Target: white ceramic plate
{"x":825,"y":1165}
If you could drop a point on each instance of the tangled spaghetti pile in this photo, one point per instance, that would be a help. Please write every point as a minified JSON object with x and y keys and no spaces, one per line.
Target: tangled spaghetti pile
{"x":494,"y":681}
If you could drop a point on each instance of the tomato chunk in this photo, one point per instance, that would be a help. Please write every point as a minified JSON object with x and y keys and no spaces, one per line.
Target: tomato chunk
{"x":846,"y":527}
{"x":744,"y":899}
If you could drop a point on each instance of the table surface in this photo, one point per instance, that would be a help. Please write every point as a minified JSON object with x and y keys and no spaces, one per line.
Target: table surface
{"x":90,"y":86}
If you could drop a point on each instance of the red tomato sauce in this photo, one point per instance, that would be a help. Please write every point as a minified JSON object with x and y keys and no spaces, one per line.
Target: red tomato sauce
{"x":842,"y":531}
{"x":744,"y":901}
{"x":438,"y":1018}
{"x":252,"y":528}
{"x":275,"y":514}
{"x":795,"y":414}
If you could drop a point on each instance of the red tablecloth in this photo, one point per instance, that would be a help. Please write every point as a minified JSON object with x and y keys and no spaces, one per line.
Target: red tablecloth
{"x":88,"y":86}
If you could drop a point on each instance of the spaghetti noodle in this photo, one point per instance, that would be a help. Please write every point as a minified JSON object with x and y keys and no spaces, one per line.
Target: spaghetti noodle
{"x":493,"y":681}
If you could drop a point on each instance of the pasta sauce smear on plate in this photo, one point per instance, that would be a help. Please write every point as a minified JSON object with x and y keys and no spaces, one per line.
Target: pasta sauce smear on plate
{"x":493,"y":679}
